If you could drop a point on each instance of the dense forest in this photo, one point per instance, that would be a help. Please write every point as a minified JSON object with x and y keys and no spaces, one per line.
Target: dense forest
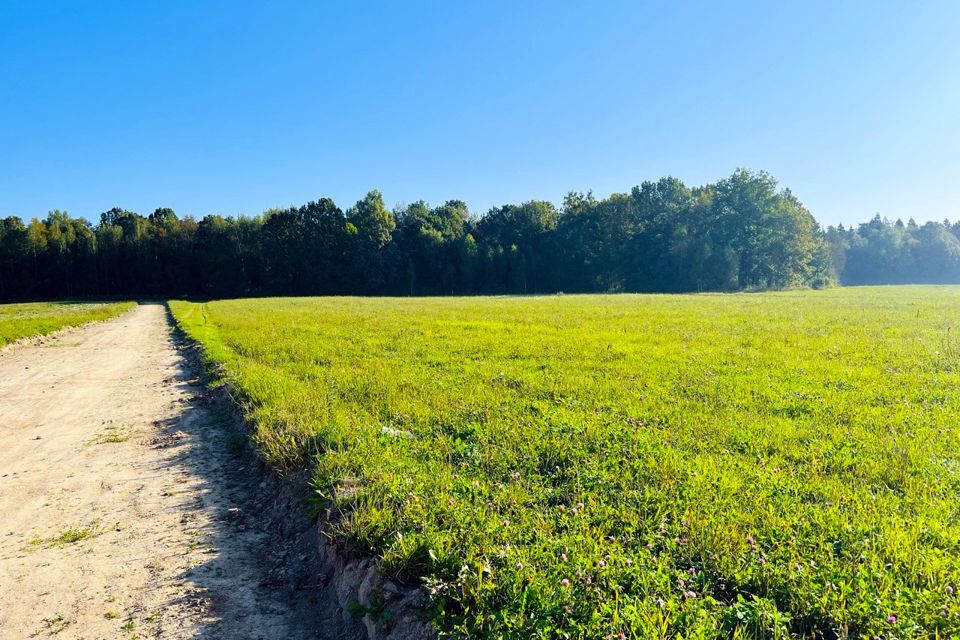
{"x":742,"y":232}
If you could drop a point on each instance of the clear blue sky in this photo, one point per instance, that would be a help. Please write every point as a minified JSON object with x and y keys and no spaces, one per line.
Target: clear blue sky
{"x":233,"y":107}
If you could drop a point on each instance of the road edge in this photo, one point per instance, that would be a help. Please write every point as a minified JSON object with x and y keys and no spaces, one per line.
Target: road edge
{"x":363,"y":604}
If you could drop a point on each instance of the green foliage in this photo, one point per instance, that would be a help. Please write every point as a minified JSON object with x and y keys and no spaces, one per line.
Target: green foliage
{"x":743,"y":465}
{"x":372,"y":219}
{"x":739,"y":233}
{"x":40,"y":318}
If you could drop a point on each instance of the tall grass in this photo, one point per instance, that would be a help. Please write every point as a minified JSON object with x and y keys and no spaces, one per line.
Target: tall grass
{"x":755,"y":465}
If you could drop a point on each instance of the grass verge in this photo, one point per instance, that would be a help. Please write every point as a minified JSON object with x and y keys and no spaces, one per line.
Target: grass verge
{"x":40,"y":318}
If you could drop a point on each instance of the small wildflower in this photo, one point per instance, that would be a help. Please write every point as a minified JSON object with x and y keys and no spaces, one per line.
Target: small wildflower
{"x":629,"y":562}
{"x":563,"y":557}
{"x":763,"y":560}
{"x":892,"y":619}
{"x":692,"y":571}
{"x":750,"y":540}
{"x":565,"y":582}
{"x":689,"y":594}
{"x":949,"y":589}
{"x":601,"y":564}
{"x":649,"y":545}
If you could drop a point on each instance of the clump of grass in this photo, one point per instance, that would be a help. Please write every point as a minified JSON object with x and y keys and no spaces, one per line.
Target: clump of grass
{"x":70,"y":535}
{"x":701,"y":466}
{"x":112,"y":435}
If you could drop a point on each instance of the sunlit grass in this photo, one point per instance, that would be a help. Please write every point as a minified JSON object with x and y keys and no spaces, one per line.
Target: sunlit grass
{"x":750,"y":465}
{"x":40,"y":318}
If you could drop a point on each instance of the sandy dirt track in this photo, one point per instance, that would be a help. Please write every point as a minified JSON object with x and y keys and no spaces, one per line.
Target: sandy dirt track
{"x":127,"y":508}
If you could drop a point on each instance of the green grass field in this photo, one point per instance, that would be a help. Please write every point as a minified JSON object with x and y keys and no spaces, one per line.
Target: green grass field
{"x":750,"y":465}
{"x":40,"y":318}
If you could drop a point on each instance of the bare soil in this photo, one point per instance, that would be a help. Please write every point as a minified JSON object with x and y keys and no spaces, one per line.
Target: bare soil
{"x":129,"y":505}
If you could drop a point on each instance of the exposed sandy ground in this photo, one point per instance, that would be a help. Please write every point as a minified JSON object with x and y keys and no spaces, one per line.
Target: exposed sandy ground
{"x":105,"y":433}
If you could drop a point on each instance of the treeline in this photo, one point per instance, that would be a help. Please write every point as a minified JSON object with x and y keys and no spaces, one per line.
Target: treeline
{"x":738,"y":233}
{"x":885,"y":252}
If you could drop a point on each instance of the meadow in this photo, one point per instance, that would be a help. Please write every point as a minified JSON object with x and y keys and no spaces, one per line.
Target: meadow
{"x":766,"y":465}
{"x":40,"y":318}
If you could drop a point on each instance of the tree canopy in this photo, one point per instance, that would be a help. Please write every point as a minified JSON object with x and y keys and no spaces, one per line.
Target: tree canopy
{"x":742,"y":232}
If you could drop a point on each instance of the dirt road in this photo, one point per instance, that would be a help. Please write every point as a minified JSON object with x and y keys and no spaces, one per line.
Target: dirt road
{"x":127,"y":507}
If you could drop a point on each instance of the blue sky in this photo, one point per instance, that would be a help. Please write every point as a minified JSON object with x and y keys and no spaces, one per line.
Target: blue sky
{"x":233,"y":107}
